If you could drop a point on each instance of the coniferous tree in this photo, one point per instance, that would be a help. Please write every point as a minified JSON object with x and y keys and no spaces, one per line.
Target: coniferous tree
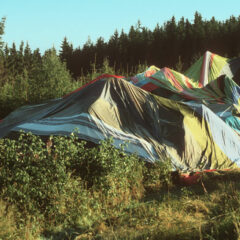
{"x":100,"y":51}
{"x":198,"y":34}
{"x":5,"y":68}
{"x":123,"y":51}
{"x":35,"y":62}
{"x":20,"y":58}
{"x":2,"y":69}
{"x":170,"y":45}
{"x":162,"y":47}
{"x":27,"y":58}
{"x":113,"y":48}
{"x":156,"y":47}
{"x":12,"y":60}
{"x":2,"y":22}
{"x":66,"y":54}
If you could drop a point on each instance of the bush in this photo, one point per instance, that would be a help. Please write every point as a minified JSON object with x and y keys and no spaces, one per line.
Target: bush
{"x":35,"y":174}
{"x":158,"y":174}
{"x":31,"y":177}
{"x":109,"y":169}
{"x":60,"y":184}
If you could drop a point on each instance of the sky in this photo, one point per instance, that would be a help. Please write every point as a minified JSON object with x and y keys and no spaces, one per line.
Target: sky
{"x":45,"y":23}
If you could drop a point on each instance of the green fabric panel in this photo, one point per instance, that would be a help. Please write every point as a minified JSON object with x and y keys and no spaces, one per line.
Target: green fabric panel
{"x":214,"y":65}
{"x":194,"y":71}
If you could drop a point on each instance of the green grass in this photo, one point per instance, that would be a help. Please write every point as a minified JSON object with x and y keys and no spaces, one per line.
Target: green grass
{"x":59,"y":189}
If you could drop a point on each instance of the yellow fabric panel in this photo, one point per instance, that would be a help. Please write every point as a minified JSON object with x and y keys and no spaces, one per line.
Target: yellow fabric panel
{"x":202,"y":134}
{"x":198,"y":141}
{"x":216,"y":68}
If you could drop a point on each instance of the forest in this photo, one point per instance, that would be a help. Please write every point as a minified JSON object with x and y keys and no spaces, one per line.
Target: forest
{"x":165,"y":45}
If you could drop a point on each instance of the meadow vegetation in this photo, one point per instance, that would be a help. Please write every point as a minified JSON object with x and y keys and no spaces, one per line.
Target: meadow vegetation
{"x":59,"y":189}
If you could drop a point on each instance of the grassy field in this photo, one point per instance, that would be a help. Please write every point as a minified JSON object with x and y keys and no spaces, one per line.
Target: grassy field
{"x":59,"y":189}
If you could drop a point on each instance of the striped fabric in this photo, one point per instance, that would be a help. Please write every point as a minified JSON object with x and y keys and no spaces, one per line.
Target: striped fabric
{"x":191,"y":118}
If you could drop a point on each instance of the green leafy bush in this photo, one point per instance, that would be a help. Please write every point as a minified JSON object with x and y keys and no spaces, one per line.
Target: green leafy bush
{"x":30,"y":176}
{"x":35,"y":174}
{"x":158,"y":174}
{"x":61,"y":189}
{"x":109,"y":169}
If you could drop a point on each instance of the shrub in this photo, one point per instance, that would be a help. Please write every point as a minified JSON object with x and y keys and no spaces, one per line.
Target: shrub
{"x":35,"y":175}
{"x":31,"y":177}
{"x":158,"y":174}
{"x":109,"y":169}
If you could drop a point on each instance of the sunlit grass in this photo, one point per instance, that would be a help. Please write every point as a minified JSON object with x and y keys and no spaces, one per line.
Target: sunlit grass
{"x":102,"y":193}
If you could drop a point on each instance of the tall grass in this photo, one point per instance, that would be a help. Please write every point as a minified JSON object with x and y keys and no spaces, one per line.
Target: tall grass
{"x":59,"y":189}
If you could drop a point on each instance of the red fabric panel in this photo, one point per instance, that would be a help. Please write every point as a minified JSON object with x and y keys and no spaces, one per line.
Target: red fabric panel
{"x":189,"y":85}
{"x":169,"y":75}
{"x":149,"y":87}
{"x":187,"y":179}
{"x":211,"y":60}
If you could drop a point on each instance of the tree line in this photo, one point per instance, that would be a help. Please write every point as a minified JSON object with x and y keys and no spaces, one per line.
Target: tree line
{"x":26,"y":75}
{"x":163,"y":46}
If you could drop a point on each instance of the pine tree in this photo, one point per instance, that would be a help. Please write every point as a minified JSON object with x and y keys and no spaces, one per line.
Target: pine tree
{"x":156,"y":47}
{"x":27,"y":57}
{"x":2,"y":70}
{"x":170,"y":43}
{"x":198,"y":34}
{"x":113,"y":48}
{"x":66,"y":51}
{"x":12,"y":60}
{"x":2,"y":23}
{"x":100,"y":52}
{"x":20,"y":58}
{"x":161,"y":47}
{"x":5,"y":62}
{"x":123,"y":52}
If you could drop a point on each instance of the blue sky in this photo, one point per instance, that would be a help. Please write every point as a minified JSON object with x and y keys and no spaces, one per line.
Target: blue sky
{"x":44,"y":23}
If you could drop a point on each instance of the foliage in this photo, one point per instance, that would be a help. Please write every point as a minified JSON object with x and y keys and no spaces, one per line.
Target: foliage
{"x":35,"y":174}
{"x":31,"y":82}
{"x":27,"y":177}
{"x":60,"y":189}
{"x":158,"y":175}
{"x":1,"y":32}
{"x":51,"y":75}
{"x":111,"y":170}
{"x":161,"y":46}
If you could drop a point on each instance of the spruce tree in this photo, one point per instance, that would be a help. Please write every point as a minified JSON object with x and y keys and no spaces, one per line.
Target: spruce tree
{"x":2,"y":23}
{"x":66,"y":51}
{"x":1,"y":51}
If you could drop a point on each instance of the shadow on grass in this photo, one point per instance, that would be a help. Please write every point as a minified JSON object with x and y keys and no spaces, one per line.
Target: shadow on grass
{"x":66,"y":234}
{"x":207,"y":183}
